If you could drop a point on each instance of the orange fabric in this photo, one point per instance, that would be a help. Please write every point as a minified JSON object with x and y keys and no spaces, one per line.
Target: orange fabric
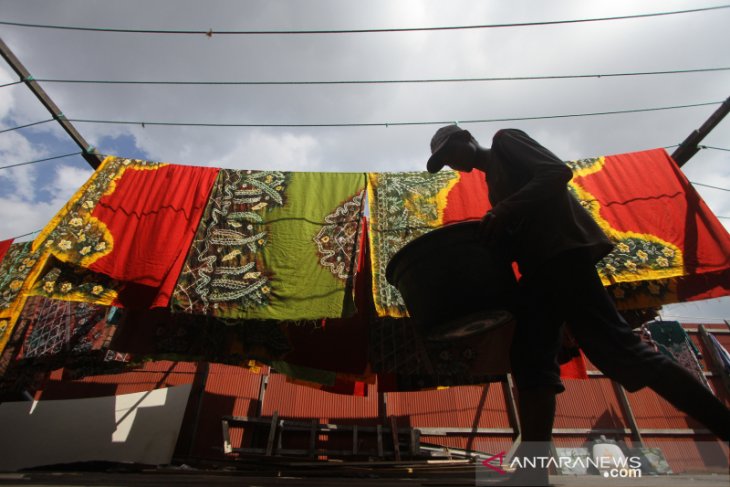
{"x":152,"y":216}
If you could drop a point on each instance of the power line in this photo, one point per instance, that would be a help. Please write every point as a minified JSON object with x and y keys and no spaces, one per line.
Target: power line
{"x":384,"y":124}
{"x":26,"y":125}
{"x":11,"y":84}
{"x":397,"y":81}
{"x":24,"y":235}
{"x":41,"y":160}
{"x":211,"y":32}
{"x":715,"y":148}
{"x":708,"y":186}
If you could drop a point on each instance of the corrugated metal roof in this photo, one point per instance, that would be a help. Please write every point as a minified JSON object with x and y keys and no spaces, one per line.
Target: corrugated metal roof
{"x":457,"y":407}
{"x":297,"y":401}
{"x":230,"y":390}
{"x":151,"y":375}
{"x":588,"y":403}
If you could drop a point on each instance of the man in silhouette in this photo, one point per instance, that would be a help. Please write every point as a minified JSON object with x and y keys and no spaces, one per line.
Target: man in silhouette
{"x":538,"y":223}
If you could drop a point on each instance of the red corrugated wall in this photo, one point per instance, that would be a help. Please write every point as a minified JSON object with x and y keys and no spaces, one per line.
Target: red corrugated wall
{"x":229,"y":390}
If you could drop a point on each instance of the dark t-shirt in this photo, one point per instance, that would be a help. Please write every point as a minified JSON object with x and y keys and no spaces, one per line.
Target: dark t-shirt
{"x":528,"y":190}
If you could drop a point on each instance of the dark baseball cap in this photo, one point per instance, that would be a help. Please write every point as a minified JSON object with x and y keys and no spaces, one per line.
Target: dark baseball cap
{"x":438,"y":142}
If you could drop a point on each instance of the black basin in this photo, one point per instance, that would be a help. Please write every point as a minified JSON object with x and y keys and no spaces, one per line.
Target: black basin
{"x":452,"y":285}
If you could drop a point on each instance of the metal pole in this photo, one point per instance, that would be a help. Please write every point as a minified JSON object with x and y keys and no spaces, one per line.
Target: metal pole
{"x":88,"y":152}
{"x":689,"y":147}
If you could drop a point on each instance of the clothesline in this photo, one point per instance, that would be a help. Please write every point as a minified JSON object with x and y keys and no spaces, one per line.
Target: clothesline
{"x":143,"y":123}
{"x":211,"y":32}
{"x":357,"y":82}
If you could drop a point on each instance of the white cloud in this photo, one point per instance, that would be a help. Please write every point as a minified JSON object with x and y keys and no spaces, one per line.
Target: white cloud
{"x":67,"y":181}
{"x":287,"y":152}
{"x":670,"y":42}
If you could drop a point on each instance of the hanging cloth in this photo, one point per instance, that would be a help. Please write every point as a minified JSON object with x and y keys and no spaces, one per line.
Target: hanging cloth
{"x":275,"y":245}
{"x":132,"y":221}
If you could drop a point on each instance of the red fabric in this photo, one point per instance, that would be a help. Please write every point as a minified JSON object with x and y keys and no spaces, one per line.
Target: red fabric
{"x":647,"y":193}
{"x":575,"y":369}
{"x":4,"y":247}
{"x":152,"y":216}
{"x":467,"y":200}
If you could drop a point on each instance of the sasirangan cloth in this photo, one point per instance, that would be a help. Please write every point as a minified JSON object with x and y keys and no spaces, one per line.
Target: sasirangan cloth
{"x":669,"y":247}
{"x":133,"y":221}
{"x":403,"y":206}
{"x":275,"y":245}
{"x":18,"y":270}
{"x":674,"y":342}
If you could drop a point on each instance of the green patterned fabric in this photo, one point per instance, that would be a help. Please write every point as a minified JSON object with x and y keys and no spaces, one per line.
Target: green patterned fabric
{"x":14,"y":270}
{"x":403,"y":206}
{"x":275,"y":245}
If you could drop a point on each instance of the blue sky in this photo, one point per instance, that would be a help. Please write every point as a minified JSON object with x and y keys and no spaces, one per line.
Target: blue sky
{"x":30,"y":195}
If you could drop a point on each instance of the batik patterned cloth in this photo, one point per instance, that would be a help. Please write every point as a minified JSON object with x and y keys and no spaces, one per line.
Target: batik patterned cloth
{"x":132,"y":221}
{"x":51,"y":334}
{"x":672,"y":340}
{"x":669,"y":245}
{"x":54,"y":327}
{"x":405,"y":361}
{"x":404,"y":206}
{"x":18,"y":270}
{"x":68,"y":282}
{"x":275,"y":245}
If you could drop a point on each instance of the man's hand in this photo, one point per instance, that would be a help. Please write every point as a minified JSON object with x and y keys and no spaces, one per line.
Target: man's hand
{"x":489,"y":228}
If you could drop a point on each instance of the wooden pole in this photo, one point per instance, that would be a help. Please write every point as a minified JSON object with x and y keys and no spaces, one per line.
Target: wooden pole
{"x":88,"y":152}
{"x":690,"y":147}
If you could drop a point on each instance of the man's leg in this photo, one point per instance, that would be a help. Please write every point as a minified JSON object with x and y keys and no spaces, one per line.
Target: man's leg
{"x":536,"y":372}
{"x":611,"y":345}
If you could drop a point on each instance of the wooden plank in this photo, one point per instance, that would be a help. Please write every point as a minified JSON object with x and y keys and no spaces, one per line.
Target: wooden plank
{"x":227,"y":447}
{"x":508,"y":388}
{"x":714,"y":360}
{"x":628,"y":412}
{"x":313,"y":438}
{"x":394,"y":435}
{"x":354,"y":440}
{"x":380,"y":440}
{"x":414,"y":442}
{"x":279,"y":435}
{"x":88,"y":152}
{"x":272,"y":434}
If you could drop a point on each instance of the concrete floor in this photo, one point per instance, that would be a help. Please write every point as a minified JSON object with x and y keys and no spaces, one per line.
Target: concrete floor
{"x":197,"y":478}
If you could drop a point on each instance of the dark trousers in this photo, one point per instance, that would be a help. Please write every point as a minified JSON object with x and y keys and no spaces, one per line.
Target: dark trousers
{"x":567,"y":289}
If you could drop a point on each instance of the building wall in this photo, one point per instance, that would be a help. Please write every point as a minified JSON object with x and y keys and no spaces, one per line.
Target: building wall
{"x":585,"y":406}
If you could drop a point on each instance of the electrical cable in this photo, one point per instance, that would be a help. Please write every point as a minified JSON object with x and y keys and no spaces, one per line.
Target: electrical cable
{"x":25,"y":235}
{"x":27,"y":125}
{"x":715,"y":148}
{"x":211,"y":32}
{"x":708,"y":186}
{"x":384,"y":124}
{"x":41,"y":160}
{"x":362,"y":82}
{"x":11,"y":84}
